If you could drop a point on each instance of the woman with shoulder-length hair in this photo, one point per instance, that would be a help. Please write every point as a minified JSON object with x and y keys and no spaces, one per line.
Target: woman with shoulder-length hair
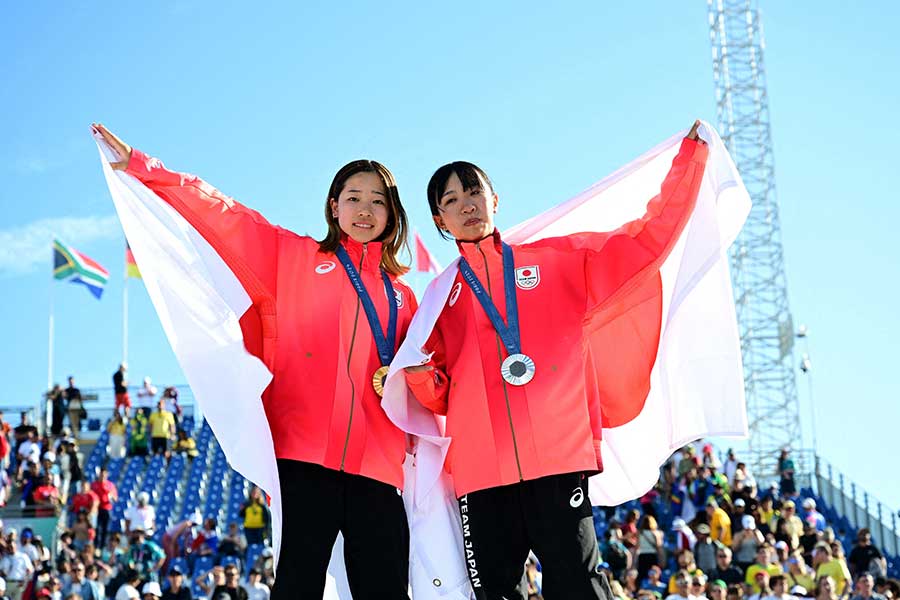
{"x":329,"y":316}
{"x":649,"y":547}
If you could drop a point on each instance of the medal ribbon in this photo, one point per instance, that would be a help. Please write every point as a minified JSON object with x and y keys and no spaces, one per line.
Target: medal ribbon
{"x":509,"y":331}
{"x":385,"y":345}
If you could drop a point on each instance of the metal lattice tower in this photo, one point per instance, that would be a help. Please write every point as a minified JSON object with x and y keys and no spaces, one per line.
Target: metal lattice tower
{"x":757,"y":265}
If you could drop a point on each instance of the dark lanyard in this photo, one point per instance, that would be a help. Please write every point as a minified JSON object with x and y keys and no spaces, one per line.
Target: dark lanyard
{"x":509,"y":331}
{"x":384,"y":345}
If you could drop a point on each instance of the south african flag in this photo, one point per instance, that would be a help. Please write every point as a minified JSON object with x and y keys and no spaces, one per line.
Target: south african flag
{"x":71,"y":265}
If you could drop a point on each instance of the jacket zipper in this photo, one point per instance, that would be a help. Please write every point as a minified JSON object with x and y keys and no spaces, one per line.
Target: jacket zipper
{"x":500,"y":357}
{"x":349,"y":357}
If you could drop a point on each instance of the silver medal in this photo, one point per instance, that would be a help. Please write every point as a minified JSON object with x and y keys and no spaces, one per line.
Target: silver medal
{"x":517,"y":369}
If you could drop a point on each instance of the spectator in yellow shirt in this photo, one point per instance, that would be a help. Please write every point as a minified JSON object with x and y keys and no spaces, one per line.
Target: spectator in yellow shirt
{"x":186,"y":444}
{"x":719,"y":523}
{"x":793,"y":525}
{"x":763,"y":564}
{"x":162,"y":428}
{"x":799,"y":574}
{"x":256,"y":517}
{"x":827,"y":566}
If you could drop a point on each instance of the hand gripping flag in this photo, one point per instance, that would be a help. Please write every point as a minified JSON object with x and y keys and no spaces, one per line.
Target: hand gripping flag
{"x":199,"y":302}
{"x":676,"y":374}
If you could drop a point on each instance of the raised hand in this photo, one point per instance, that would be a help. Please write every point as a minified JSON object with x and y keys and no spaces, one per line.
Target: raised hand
{"x":122,"y":149}
{"x":693,"y":133}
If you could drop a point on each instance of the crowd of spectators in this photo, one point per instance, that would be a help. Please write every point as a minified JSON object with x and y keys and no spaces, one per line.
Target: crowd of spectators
{"x":707,"y":531}
{"x":139,"y":558}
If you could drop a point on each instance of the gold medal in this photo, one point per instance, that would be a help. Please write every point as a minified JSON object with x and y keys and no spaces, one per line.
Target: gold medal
{"x":378,"y":380}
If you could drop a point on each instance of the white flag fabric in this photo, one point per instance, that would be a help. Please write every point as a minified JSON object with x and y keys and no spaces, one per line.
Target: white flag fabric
{"x":697,"y":388}
{"x":696,"y":384}
{"x":200,"y":302}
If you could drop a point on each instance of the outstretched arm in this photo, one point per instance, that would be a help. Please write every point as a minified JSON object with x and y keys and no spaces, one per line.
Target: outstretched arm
{"x":244,"y":239}
{"x":638,"y":248}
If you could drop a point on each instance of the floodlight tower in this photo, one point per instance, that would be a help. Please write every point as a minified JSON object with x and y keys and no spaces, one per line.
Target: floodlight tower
{"x":757,"y":264}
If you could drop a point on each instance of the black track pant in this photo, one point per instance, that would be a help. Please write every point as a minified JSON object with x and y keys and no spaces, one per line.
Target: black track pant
{"x":317,"y":503}
{"x":552,"y":517}
{"x":102,"y":527}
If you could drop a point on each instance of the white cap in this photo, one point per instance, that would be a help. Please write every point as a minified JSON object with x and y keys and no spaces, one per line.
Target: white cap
{"x":740,"y":502}
{"x":50,"y":456}
{"x":147,"y":381}
{"x":152,"y":588}
{"x":809,"y":503}
{"x":143,"y":497}
{"x":748,"y":522}
{"x":781,"y":545}
{"x":678,"y":524}
{"x":799,"y":590}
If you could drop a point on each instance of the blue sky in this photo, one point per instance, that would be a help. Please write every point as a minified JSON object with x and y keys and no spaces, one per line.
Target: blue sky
{"x":267,"y":104}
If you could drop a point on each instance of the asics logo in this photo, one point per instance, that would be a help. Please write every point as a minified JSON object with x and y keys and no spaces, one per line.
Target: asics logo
{"x":325,"y":267}
{"x":577,"y":498}
{"x":454,"y":293}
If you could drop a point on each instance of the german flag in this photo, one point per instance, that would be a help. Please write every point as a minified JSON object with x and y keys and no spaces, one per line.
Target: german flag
{"x":131,"y":268}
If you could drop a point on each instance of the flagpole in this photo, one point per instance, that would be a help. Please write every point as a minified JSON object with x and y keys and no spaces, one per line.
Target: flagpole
{"x":50,"y":340}
{"x":43,"y":409}
{"x":125,"y":318}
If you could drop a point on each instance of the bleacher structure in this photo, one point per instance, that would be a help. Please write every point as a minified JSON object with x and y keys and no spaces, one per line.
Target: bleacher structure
{"x":845,"y":531}
{"x":178,"y":491}
{"x":209,"y":487}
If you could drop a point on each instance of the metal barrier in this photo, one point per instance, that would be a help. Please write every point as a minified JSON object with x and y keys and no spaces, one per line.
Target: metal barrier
{"x":804,"y":468}
{"x":858,"y":506}
{"x":99,"y":404}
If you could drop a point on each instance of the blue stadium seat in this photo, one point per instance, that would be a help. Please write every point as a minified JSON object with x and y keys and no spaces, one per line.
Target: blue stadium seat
{"x":197,"y":591}
{"x":181,"y":563}
{"x":253,"y":552}
{"x":202,"y":565}
{"x":231,"y":560}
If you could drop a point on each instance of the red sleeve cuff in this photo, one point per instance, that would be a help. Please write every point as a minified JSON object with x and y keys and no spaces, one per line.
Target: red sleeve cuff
{"x":419,"y":377}
{"x":598,"y":455}
{"x":137,"y":162}
{"x":697,"y":150}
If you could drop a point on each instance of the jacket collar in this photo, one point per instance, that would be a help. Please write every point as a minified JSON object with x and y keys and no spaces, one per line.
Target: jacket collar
{"x":491,"y":246}
{"x":372,"y":259}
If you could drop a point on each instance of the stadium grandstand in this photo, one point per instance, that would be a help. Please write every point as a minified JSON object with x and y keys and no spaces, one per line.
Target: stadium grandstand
{"x":99,"y":508}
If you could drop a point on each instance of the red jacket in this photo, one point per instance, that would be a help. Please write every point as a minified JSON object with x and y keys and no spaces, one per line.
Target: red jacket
{"x":320,"y":405}
{"x":84,"y":501}
{"x":104,"y":491}
{"x":502,"y":434}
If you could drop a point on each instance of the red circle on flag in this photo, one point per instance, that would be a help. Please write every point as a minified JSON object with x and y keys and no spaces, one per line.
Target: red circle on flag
{"x":526,"y":273}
